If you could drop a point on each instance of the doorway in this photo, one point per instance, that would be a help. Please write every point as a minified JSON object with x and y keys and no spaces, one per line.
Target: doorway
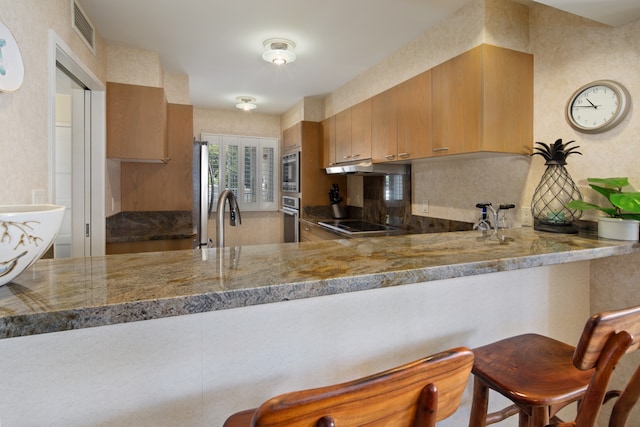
{"x":77,"y":152}
{"x":72,"y":165}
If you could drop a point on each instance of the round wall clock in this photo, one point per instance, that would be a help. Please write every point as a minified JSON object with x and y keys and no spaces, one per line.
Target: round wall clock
{"x":598,"y":106}
{"x":11,"y":67}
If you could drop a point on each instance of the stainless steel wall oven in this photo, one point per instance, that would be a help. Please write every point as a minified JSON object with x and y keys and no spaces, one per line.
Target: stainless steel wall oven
{"x":291,"y":211}
{"x":291,"y":172}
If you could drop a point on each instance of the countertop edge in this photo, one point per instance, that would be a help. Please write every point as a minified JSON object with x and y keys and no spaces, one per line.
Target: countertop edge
{"x":111,"y":314}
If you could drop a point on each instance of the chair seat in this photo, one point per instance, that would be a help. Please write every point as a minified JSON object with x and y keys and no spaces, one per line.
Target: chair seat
{"x":531,"y":370}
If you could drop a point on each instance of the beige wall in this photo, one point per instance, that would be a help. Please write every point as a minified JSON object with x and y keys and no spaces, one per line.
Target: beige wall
{"x":24,"y":114}
{"x":569,"y":52}
{"x":134,"y":66}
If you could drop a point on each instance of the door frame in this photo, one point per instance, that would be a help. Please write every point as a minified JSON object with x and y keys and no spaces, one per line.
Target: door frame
{"x":60,"y":52}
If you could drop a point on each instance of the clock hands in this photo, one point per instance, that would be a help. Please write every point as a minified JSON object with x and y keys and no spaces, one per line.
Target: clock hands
{"x":594,"y":106}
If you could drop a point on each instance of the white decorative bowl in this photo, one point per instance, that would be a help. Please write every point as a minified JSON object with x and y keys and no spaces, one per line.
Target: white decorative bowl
{"x":26,"y":232}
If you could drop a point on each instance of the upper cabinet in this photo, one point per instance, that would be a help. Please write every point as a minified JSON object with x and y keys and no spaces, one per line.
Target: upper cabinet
{"x":361,"y":127}
{"x":478,"y":102}
{"x":483,"y":102}
{"x":402,"y":121}
{"x":343,"y":136}
{"x":147,"y":186}
{"x":353,"y":133}
{"x":414,"y":117}
{"x":329,"y":141}
{"x":136,"y":123}
{"x":291,"y":138}
{"x":384,"y":126}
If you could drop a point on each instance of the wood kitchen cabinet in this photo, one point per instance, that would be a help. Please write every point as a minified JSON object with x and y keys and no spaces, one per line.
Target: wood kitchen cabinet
{"x":329,"y":141}
{"x":384,"y":126}
{"x":136,"y":123}
{"x":361,"y":130}
{"x":414,"y":117}
{"x":483,"y":102}
{"x":291,"y":139}
{"x":402,"y":121}
{"x":343,"y":136}
{"x":166,"y":186}
{"x":353,"y":133}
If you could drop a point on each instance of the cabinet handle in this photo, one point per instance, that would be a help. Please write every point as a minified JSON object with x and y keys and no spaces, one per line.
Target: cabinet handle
{"x":389,"y":157}
{"x":355,"y":156}
{"x":346,"y":157}
{"x":435,"y":150}
{"x":307,"y":229}
{"x":403,"y":155}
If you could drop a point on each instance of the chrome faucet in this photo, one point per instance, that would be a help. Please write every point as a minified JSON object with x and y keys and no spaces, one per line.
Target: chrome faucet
{"x":484,"y":224}
{"x":234,"y":212}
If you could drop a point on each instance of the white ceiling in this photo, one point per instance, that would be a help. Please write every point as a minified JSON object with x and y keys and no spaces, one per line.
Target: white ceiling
{"x":218,"y":43}
{"x":610,"y":12}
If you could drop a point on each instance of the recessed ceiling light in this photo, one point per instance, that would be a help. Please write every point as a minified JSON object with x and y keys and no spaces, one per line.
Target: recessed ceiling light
{"x":246,"y":103}
{"x":279,"y":51}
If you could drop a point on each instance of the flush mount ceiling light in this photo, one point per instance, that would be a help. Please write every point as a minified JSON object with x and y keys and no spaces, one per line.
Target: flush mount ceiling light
{"x":279,"y":51}
{"x":246,"y":103}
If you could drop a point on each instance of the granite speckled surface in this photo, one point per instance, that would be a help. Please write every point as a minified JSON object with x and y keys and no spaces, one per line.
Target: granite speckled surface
{"x":58,"y":295}
{"x":144,"y":226}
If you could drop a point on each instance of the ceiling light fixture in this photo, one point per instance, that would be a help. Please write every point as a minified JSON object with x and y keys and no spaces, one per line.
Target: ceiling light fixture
{"x":279,"y":51}
{"x":246,"y":103}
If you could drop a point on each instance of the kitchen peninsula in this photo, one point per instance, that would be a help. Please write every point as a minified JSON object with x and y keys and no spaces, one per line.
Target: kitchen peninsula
{"x":188,"y":337}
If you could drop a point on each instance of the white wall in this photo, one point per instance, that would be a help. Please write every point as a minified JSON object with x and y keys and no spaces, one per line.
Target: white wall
{"x":196,"y":370}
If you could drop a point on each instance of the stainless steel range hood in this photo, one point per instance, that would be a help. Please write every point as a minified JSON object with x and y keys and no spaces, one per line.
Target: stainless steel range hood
{"x":367,"y":167}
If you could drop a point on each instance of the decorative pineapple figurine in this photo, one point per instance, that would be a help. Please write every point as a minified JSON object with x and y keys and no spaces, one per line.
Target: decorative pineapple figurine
{"x":555,"y":190}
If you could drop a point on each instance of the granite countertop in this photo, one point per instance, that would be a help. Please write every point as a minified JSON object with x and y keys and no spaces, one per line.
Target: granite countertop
{"x":65,"y":294}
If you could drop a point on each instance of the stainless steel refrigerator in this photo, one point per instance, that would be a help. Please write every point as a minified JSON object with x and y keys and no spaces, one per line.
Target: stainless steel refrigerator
{"x":202,"y":193}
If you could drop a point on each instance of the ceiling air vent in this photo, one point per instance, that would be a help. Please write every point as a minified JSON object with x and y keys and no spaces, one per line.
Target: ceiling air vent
{"x":83,"y":26}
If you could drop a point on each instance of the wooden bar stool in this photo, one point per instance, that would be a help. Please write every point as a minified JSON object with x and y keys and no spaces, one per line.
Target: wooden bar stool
{"x":541,"y":375}
{"x":416,"y":394}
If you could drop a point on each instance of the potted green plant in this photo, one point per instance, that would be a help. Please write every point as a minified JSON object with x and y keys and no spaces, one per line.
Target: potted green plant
{"x":623,"y":215}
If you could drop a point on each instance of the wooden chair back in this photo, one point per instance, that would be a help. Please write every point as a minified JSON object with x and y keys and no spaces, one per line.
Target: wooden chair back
{"x":605,"y":339}
{"x":416,"y":394}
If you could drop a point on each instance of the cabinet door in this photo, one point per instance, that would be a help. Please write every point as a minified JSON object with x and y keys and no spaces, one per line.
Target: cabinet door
{"x":456,"y":94}
{"x":160,"y":187}
{"x":384,"y":126}
{"x":329,"y":141}
{"x":508,"y":101}
{"x":291,"y":138}
{"x":361,"y":130}
{"x":136,"y":123}
{"x":414,"y":117}
{"x":343,"y":136}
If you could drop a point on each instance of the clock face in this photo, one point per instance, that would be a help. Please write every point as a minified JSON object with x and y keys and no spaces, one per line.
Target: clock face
{"x":597,"y":107}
